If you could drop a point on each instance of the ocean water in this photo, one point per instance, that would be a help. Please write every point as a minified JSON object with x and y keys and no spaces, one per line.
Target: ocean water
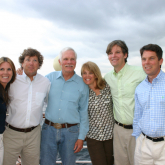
{"x":82,"y":155}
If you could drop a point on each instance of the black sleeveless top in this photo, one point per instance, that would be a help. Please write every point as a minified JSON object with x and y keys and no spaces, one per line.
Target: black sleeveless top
{"x":3,"y":110}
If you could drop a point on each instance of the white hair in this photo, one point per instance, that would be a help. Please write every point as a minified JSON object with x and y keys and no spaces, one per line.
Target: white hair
{"x":64,"y":50}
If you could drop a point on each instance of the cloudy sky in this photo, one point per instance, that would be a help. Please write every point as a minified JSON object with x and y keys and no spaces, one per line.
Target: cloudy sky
{"x":87,"y":26}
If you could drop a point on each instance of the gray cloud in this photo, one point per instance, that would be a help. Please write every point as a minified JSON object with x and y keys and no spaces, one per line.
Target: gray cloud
{"x":88,"y":26}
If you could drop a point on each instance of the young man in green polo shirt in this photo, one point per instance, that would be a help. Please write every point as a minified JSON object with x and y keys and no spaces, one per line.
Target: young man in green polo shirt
{"x":123,"y":81}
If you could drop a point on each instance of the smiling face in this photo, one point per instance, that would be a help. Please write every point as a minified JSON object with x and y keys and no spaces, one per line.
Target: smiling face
{"x":151,"y":64}
{"x":68,"y":62}
{"x":117,"y":58}
{"x":6,"y":73}
{"x":30,"y":66}
{"x":89,"y":78}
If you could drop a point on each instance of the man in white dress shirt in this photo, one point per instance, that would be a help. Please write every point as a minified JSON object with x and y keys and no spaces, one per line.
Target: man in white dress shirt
{"x":27,"y":96}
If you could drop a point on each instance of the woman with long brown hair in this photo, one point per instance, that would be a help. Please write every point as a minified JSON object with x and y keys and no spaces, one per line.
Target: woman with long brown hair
{"x":7,"y":76}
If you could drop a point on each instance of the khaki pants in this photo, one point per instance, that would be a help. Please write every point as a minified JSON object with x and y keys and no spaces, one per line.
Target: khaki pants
{"x":124,"y":146}
{"x":25,"y":144}
{"x":1,"y":149}
{"x":148,"y":152}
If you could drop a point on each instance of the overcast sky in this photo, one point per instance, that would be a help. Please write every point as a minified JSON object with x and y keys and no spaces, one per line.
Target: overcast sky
{"x":87,"y":26}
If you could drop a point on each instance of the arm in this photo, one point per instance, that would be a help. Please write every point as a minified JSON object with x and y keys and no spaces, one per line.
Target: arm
{"x":137,"y":116}
{"x":84,"y":123}
{"x":46,"y":101}
{"x":83,"y":112}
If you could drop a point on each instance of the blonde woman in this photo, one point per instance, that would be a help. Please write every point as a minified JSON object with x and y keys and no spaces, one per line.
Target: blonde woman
{"x":101,"y":120}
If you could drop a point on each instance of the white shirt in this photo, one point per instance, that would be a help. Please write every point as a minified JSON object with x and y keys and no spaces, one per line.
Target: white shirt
{"x":27,"y":100}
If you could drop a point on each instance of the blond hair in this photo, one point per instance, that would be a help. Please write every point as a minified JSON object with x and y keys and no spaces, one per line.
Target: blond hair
{"x":92,"y":67}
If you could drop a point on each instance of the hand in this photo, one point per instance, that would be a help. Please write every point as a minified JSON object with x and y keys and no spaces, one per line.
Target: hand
{"x":78,"y":145}
{"x":19,"y":71}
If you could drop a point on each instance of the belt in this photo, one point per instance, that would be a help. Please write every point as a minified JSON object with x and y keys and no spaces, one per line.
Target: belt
{"x":58,"y":125}
{"x":25,"y":130}
{"x":124,"y":126}
{"x":154,"y":139}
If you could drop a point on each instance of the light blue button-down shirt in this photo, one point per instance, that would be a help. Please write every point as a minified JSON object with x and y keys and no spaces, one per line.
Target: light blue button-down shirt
{"x":68,"y":101}
{"x":149,"y":116}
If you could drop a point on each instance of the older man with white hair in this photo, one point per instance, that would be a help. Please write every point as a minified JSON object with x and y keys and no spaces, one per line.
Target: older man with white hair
{"x":66,"y":123}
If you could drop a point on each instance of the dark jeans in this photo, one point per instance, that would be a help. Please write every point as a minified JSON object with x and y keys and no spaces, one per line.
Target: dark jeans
{"x":101,"y":152}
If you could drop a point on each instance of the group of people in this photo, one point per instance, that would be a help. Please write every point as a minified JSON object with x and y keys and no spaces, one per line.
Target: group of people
{"x":122,"y":116}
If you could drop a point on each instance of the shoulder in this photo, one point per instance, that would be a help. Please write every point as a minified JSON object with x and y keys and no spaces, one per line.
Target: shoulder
{"x":108,"y":74}
{"x":19,"y":79}
{"x":136,"y":71}
{"x":53,"y":75}
{"x":78,"y":79}
{"x":163,"y":75}
{"x":80,"y":83}
{"x":107,"y":87}
{"x":141,"y":86}
{"x":40,"y":77}
{"x":135,"y":68}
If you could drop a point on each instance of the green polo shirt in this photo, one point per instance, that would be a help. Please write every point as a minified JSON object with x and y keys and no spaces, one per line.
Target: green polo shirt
{"x":123,"y":85}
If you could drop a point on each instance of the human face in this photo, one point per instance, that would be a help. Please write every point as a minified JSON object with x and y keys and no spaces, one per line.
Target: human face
{"x":30,"y":66}
{"x":6,"y":73}
{"x":68,"y":62}
{"x":89,"y":78}
{"x":151,"y":64}
{"x":117,"y":58}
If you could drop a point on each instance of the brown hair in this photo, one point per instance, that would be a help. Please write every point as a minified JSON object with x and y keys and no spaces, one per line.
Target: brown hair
{"x":31,"y":52}
{"x":92,"y":67}
{"x":4,"y":92}
{"x":153,"y":47}
{"x":119,"y":43}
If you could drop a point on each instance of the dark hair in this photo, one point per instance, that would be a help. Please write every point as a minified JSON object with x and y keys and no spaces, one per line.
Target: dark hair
{"x":31,"y":52}
{"x":4,"y":92}
{"x":153,"y":47}
{"x":119,"y":43}
{"x":92,"y":67}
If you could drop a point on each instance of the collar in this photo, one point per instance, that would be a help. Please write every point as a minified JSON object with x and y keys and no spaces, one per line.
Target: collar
{"x":26,"y":77}
{"x":122,"y":71}
{"x":73,"y":78}
{"x":157,"y":78}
